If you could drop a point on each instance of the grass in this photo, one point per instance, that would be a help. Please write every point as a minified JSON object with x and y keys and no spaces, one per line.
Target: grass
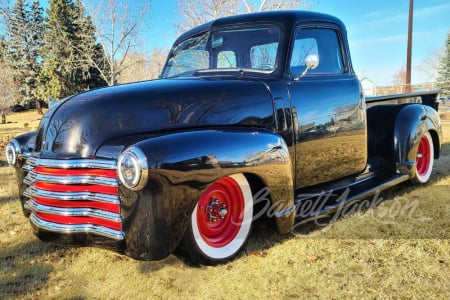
{"x":18,"y":123}
{"x":399,"y":249}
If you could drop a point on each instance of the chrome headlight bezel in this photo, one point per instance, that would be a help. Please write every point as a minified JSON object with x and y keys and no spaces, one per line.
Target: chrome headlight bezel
{"x":12,"y":152}
{"x":132,"y":169}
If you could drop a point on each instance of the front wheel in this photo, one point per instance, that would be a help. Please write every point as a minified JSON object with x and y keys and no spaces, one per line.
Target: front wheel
{"x":221,"y":221}
{"x":424,"y":159}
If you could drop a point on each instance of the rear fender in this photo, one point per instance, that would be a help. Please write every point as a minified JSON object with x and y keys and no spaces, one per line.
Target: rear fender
{"x":183,"y":165}
{"x":411,"y":123}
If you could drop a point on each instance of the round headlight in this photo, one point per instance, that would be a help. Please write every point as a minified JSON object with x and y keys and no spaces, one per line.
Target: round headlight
{"x":132,"y":168}
{"x":12,"y":150}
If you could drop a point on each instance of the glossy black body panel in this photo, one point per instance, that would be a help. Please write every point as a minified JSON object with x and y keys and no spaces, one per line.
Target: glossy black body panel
{"x":80,"y":126}
{"x":179,"y":175}
{"x":395,"y":125}
{"x":331,"y":139}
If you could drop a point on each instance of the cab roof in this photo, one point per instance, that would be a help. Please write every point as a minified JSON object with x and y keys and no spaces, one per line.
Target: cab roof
{"x":287,"y":18}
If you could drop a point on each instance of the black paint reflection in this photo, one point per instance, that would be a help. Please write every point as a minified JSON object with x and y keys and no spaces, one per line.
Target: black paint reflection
{"x":331,"y":136}
{"x":82,"y":124}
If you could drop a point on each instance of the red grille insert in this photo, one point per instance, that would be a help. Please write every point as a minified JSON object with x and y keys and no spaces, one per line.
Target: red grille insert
{"x":78,"y":220}
{"x":111,"y":207}
{"x":72,"y":188}
{"x":76,"y":172}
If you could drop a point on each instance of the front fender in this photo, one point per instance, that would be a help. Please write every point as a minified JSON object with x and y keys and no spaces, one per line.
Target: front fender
{"x":411,"y":123}
{"x":182,"y":166}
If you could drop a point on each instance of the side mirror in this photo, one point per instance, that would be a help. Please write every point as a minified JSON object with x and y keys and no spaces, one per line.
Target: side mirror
{"x":311,"y":62}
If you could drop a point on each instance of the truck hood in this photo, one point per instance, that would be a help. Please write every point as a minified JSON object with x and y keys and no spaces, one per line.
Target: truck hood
{"x":77,"y":127}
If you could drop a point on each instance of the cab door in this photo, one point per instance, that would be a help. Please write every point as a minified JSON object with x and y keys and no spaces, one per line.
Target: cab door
{"x":330,"y":128}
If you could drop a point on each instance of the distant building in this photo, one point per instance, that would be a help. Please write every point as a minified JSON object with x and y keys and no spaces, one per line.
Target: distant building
{"x":369,"y":87}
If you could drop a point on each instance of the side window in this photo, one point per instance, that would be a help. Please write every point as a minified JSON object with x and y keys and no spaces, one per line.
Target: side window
{"x":263,"y":57}
{"x":321,"y":42}
{"x":226,"y":59}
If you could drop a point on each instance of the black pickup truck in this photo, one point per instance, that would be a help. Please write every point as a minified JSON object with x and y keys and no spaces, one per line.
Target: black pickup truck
{"x":259,"y":102}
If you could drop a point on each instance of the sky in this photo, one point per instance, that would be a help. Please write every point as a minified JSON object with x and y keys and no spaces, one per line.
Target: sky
{"x":377,"y":32}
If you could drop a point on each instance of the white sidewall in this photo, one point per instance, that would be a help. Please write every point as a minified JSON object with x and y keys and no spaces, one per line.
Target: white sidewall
{"x":424,"y":178}
{"x":241,"y":237}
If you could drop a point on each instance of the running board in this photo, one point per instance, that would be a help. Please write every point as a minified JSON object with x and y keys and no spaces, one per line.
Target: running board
{"x":310,"y":207}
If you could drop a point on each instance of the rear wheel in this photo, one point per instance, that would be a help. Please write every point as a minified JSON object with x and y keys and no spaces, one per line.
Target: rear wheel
{"x":424,"y":159}
{"x":221,"y":221}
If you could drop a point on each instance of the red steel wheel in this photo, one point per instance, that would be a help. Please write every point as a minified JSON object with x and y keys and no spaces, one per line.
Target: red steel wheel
{"x":424,"y":159}
{"x":221,"y":220}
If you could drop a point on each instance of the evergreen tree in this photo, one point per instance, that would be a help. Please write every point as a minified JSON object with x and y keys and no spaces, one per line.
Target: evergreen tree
{"x":25,"y":34}
{"x":444,"y":70}
{"x":68,"y":36}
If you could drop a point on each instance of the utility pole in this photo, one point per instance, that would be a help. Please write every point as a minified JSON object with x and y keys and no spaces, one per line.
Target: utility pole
{"x":409,"y":50}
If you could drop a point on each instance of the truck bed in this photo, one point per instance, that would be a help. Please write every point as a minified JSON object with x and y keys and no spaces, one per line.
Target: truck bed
{"x":429,"y":98}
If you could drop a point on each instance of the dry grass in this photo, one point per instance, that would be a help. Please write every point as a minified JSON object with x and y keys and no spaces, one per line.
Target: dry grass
{"x":383,"y":252}
{"x":18,"y":123}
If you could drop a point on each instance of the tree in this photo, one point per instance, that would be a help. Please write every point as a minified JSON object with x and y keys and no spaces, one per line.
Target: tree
{"x":430,"y":65}
{"x":157,"y":62}
{"x":137,"y":68}
{"x":117,"y":28}
{"x":399,"y":76}
{"x":70,"y":48}
{"x":8,"y":86}
{"x":196,"y":12}
{"x":24,"y":34}
{"x":444,"y":70}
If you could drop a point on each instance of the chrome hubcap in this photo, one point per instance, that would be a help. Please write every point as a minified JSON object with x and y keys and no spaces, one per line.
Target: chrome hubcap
{"x":216,"y":210}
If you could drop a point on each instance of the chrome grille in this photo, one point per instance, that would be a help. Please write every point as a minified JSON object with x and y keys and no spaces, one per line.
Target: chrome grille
{"x":70,"y":196}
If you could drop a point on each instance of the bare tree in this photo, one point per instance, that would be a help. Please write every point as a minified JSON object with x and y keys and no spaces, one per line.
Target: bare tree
{"x":118,"y":26}
{"x":196,"y":12}
{"x":157,"y":62}
{"x":430,"y":65}
{"x":136,"y":68}
{"x":8,"y":89}
{"x":399,"y":76}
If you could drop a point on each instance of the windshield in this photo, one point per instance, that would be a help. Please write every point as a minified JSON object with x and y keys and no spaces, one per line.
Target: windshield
{"x":250,"y":49}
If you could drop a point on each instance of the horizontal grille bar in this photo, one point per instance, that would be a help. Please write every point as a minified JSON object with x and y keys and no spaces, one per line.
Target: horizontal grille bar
{"x":70,"y":220}
{"x":73,"y":163}
{"x":65,"y":196}
{"x":27,"y":168}
{"x":89,"y":188}
{"x":73,"y":212}
{"x":114,"y":208}
{"x":76,"y":228}
{"x":32,"y":177}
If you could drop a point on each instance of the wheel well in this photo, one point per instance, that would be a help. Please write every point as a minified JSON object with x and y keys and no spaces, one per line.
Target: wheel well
{"x":435,"y":138}
{"x":258,"y":187}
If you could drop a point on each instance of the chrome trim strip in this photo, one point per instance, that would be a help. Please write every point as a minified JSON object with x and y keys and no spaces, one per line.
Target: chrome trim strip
{"x":73,"y":163}
{"x":31,"y":192}
{"x":86,"y":228}
{"x":73,"y":212}
{"x":27,"y":168}
{"x":26,"y":155}
{"x":32,"y":177}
